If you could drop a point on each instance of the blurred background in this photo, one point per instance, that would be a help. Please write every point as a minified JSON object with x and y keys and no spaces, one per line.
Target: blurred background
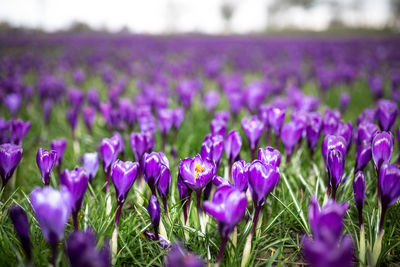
{"x":206,"y":16}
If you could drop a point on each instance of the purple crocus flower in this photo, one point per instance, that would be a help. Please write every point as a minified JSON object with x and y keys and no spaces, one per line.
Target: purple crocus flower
{"x":235,"y":99}
{"x":331,"y":121}
{"x":93,"y":98}
{"x":211,"y":100}
{"x":10,"y":156}
{"x":59,"y":145}
{"x":18,"y":130}
{"x":366,"y":131}
{"x":91,"y":164}
{"x":368,"y":115}
{"x":240,"y":179}
{"x":313,"y":130}
{"x":212,"y":148}
{"x":344,"y":101}
{"x":388,"y":188}
{"x":89,"y":115}
{"x":276,"y":117}
{"x":386,"y":113}
{"x":328,"y":247}
{"x":263,"y":113}
{"x":263,"y":178}
{"x":218,"y":127}
{"x":75,"y":98}
{"x":72,"y":118}
{"x":123,"y":175}
{"x":4,"y":131}
{"x":335,"y":166}
{"x":45,"y":161}
{"x":117,"y":138}
{"x":222,"y":115}
{"x":333,"y":142}
{"x":253,"y":129}
{"x":81,"y":250}
{"x":164,"y":184}
{"x":179,"y":114}
{"x":141,"y":142}
{"x":153,"y":208}
{"x":47,"y":107}
{"x":108,"y":153}
{"x":151,"y":166}
{"x":12,"y":102}
{"x":228,"y":206}
{"x":290,"y":135}
{"x":76,"y":182}
{"x":382,"y":148}
{"x":21,"y":225}
{"x":219,"y":181}
{"x":363,"y":155}
{"x":180,"y":257}
{"x":233,"y":144}
{"x":52,"y":209}
{"x":359,"y":193}
{"x":269,"y":155}
{"x":346,"y":131}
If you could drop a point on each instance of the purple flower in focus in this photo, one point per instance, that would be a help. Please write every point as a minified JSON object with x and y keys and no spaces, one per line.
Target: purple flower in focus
{"x":151,"y":165}
{"x":153,"y":208}
{"x":335,"y":166}
{"x":333,"y":142}
{"x":212,"y":148}
{"x":359,"y":193}
{"x":346,"y":131}
{"x":196,"y":172}
{"x":363,"y":155}
{"x":240,"y":178}
{"x":10,"y":156}
{"x":140,"y":143}
{"x":382,"y":148}
{"x":269,"y":155}
{"x":313,"y":129}
{"x":45,"y":161}
{"x":233,"y":144}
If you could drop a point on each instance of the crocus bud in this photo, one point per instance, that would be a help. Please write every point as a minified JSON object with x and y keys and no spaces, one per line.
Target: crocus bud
{"x":359,"y":190}
{"x":45,"y":161}
{"x":123,"y":175}
{"x":368,"y":115}
{"x":81,"y":250}
{"x":18,"y":130}
{"x":12,"y":102}
{"x":290,"y":135}
{"x":163,"y":185}
{"x":109,"y":153}
{"x":153,"y":208}
{"x":21,"y":226}
{"x":93,"y":98}
{"x":386,"y":113}
{"x":222,"y":115}
{"x":165,"y":120}
{"x":52,"y":209}
{"x":89,"y":115}
{"x":72,"y":118}
{"x":141,"y":142}
{"x":331,"y":121}
{"x":335,"y":166}
{"x":253,"y":129}
{"x":328,"y":247}
{"x":228,"y":206}
{"x":178,"y":256}
{"x":211,"y":100}
{"x":212,"y":148}
{"x":276,"y":117}
{"x":363,"y":155}
{"x":179,"y":114}
{"x":346,"y":131}
{"x":269,"y":155}
{"x":240,"y":178}
{"x":366,"y":131}
{"x":313,"y":129}
{"x":219,"y":181}
{"x":196,"y":172}
{"x":75,"y":98}
{"x":344,"y":101}
{"x":10,"y":156}
{"x":151,"y":166}
{"x":333,"y":142}
{"x":382,"y":148}
{"x":218,"y":127}
{"x":59,"y":146}
{"x":233,"y":144}
{"x":76,"y":182}
{"x":90,"y":164}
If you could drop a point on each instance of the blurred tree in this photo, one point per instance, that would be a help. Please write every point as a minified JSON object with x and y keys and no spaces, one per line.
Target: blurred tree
{"x":78,"y":26}
{"x":395,"y":9}
{"x":227,"y":10}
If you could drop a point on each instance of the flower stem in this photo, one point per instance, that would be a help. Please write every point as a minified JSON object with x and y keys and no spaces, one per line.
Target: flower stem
{"x":118,"y":213}
{"x":255,"y":218}
{"x":221,"y":250}
{"x":75,"y":220}
{"x":53,"y":247}
{"x":382,"y":220}
{"x":108,"y":179}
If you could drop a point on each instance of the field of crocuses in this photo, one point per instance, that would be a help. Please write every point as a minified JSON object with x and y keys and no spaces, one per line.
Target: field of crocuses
{"x":199,"y":150}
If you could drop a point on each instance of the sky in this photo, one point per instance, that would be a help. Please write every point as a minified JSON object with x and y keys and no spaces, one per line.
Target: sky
{"x":160,"y":16}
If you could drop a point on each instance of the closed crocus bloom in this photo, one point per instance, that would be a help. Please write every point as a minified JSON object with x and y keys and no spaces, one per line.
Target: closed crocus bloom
{"x":344,"y":101}
{"x":165,"y":120}
{"x":91,"y":164}
{"x":10,"y":156}
{"x":386,"y":113}
{"x":12,"y":102}
{"x":75,"y":98}
{"x":18,"y":130}
{"x":331,"y":121}
{"x":82,"y":252}
{"x":290,"y":135}
{"x":196,"y":172}
{"x":366,"y":131}
{"x":313,"y":129}
{"x":180,"y":257}
{"x":382,"y":148}
{"x":211,"y":100}
{"x":59,"y":145}
{"x":363,"y":155}
{"x":179,"y":114}
{"x":89,"y":115}
{"x":388,"y":188}
{"x":118,"y":139}
{"x":235,"y":99}
{"x":276,"y":117}
{"x":218,"y":127}
{"x":21,"y":226}
{"x":45,"y":161}
{"x":108,"y":151}
{"x":346,"y":131}
{"x":328,"y":247}
{"x":222,"y":115}
{"x":123,"y":175}
{"x":52,"y":209}
{"x":233,"y":144}
{"x":335,"y":165}
{"x":151,"y":166}
{"x":240,"y":179}
{"x":93,"y":98}
{"x":153,"y":208}
{"x":164,"y":184}
{"x":228,"y":206}
{"x":212,"y":148}
{"x":72,"y":118}
{"x":269,"y":155}
{"x":333,"y":142}
{"x":219,"y":181}
{"x":359,"y":193}
{"x":368,"y":115}
{"x":76,"y":182}
{"x":253,"y":129}
{"x":141,"y":142}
